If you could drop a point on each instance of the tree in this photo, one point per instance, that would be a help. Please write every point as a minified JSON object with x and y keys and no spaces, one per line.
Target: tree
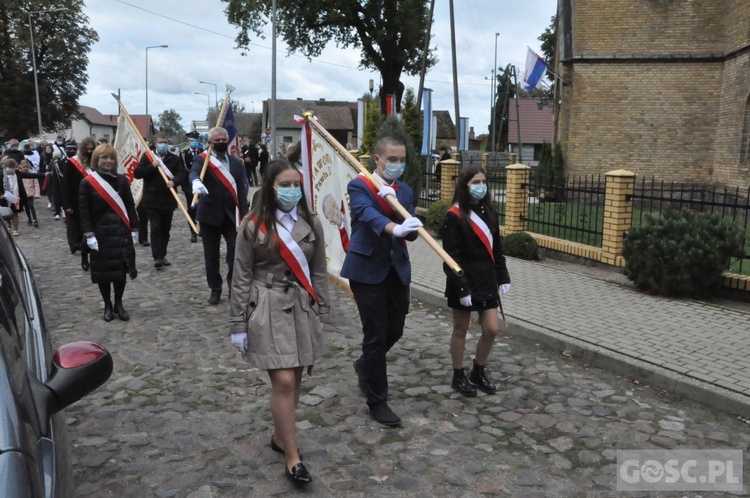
{"x":237,"y":108}
{"x":169,"y":123}
{"x":549,"y":41}
{"x":390,"y":34}
{"x":62,"y":41}
{"x":412,"y":118}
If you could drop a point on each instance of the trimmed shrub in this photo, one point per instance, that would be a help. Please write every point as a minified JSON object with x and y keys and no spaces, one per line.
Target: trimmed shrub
{"x":521,"y":245}
{"x":435,"y":214}
{"x":682,"y":253}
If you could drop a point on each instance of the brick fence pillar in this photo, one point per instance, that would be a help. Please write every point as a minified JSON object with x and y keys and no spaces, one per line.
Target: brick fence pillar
{"x":486,"y":161}
{"x":516,"y":197}
{"x":364,"y":160}
{"x":618,"y":213}
{"x":449,"y":169}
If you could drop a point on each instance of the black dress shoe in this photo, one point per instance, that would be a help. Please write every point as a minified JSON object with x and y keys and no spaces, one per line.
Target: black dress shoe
{"x":278,"y":449}
{"x":165,"y":262}
{"x":298,"y":474}
{"x":480,"y":377}
{"x":158,"y":263}
{"x":462,"y":385}
{"x":121,"y":313}
{"x":194,"y":238}
{"x":84,"y":265}
{"x":108,"y":314}
{"x":214,"y":297}
{"x":383,"y":414}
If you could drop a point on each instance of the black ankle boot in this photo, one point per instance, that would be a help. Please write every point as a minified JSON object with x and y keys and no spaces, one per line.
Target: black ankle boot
{"x":121,"y":313}
{"x":461,"y":383}
{"x":480,"y":378}
{"x":108,"y":314}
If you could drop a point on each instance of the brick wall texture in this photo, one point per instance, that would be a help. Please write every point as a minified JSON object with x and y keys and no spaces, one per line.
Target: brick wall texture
{"x":658,"y":87}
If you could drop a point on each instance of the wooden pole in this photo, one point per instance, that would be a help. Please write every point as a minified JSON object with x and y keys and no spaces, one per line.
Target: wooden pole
{"x":389,"y":198}
{"x":219,"y":122}
{"x":158,"y":163}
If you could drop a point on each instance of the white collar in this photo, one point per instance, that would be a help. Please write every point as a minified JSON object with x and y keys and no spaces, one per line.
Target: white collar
{"x":280,"y":214}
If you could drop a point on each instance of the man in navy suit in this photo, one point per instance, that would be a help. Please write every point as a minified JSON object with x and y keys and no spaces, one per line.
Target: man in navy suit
{"x":378,"y":268}
{"x":221,"y":206}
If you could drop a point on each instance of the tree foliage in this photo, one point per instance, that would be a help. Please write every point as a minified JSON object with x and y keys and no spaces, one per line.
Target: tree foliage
{"x":62,"y":41}
{"x":373,"y":120}
{"x":390,"y":35}
{"x":549,"y":41}
{"x":169,"y":123}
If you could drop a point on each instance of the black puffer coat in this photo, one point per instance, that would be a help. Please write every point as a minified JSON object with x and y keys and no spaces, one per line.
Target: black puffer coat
{"x":156,"y":194}
{"x":116,"y":254}
{"x":481,"y":276}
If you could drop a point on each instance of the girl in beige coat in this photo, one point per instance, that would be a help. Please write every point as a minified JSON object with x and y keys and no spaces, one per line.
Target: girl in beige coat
{"x":279,"y":299}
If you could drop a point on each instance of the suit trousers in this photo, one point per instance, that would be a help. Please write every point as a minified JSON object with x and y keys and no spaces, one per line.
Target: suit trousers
{"x":161,"y":224}
{"x":142,"y":224}
{"x":382,"y":309}
{"x":211,"y":236}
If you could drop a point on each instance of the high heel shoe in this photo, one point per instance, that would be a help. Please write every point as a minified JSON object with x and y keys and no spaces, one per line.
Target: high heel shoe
{"x":298,"y":474}
{"x":278,"y":449}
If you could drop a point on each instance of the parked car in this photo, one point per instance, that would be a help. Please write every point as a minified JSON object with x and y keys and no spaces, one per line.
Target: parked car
{"x":36,"y":384}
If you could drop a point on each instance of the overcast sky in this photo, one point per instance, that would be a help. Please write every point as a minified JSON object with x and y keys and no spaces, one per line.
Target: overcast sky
{"x":201,"y":48}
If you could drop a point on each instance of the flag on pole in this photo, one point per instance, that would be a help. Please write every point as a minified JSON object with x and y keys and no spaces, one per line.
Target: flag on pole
{"x":235,"y":147}
{"x":129,"y":147}
{"x":427,"y":122}
{"x":535,"y":69}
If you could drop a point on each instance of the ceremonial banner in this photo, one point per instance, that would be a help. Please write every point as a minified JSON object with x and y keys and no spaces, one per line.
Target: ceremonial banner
{"x":235,"y":147}
{"x":326,"y":173}
{"x":129,"y":147}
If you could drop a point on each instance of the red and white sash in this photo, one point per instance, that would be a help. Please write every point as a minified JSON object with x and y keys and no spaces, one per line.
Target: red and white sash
{"x":110,"y":195}
{"x":156,"y":159}
{"x":387,"y":209}
{"x":80,"y":167}
{"x":226,"y":178}
{"x":292,"y":255}
{"x":479,"y":227}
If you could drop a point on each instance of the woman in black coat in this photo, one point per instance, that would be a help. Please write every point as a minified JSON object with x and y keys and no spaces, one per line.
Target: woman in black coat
{"x":471,"y":236}
{"x":109,"y":235}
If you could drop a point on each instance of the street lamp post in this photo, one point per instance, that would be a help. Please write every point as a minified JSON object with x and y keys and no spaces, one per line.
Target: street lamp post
{"x":33,"y":62}
{"x":216,"y":92}
{"x":147,"y":49}
{"x":494,"y":103}
{"x":208,"y":99}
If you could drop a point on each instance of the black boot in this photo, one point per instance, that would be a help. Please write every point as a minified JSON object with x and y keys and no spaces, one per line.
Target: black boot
{"x":121,"y":313}
{"x":480,"y":377}
{"x":108,"y":314}
{"x":461,"y":383}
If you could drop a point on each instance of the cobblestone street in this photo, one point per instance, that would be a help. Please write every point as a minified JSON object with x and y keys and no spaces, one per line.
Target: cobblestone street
{"x":184,"y":416}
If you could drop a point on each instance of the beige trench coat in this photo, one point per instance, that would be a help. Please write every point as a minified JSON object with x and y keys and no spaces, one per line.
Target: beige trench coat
{"x":282,"y":322}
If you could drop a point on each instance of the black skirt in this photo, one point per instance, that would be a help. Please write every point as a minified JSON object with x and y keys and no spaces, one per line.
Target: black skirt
{"x":475,"y":306}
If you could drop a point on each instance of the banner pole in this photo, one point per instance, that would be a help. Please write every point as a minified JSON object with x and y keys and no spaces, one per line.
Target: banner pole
{"x":391,"y":199}
{"x":151,"y":158}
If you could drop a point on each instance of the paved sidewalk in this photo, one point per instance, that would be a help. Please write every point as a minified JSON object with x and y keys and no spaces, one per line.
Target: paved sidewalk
{"x":698,"y":350}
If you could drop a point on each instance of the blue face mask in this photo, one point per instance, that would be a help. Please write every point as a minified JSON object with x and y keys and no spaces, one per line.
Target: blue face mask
{"x":162,"y":148}
{"x":478,"y":191}
{"x":393,"y":170}
{"x":288,"y":197}
{"x":194,"y":144}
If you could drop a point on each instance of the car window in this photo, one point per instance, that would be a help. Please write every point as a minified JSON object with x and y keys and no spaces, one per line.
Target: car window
{"x":12,"y":323}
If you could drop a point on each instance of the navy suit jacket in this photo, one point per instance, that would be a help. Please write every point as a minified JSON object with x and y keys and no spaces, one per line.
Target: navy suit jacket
{"x":214,"y":208}
{"x":372,"y":251}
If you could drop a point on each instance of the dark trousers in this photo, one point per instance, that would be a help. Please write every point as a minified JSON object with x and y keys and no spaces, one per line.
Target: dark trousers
{"x":142,"y":224}
{"x":161,"y":224}
{"x":211,"y":236}
{"x":382,"y":309}
{"x":73,"y":232}
{"x":189,"y":205}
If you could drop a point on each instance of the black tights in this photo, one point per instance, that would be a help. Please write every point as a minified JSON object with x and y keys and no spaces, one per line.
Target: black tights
{"x":105,"y":289}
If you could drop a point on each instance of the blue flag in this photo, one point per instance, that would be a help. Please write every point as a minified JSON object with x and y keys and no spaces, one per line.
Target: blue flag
{"x":229,"y":123}
{"x":535,"y":69}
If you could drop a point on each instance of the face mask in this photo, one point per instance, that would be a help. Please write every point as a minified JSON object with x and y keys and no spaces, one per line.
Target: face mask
{"x":162,"y":148}
{"x":393,"y":170}
{"x":194,"y":144}
{"x":288,"y":197}
{"x":221,"y":147}
{"x":9,"y":171}
{"x":70,"y":152}
{"x":478,"y":191}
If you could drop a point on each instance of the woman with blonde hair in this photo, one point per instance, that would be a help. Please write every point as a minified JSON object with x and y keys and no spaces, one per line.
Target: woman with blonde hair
{"x":109,"y":224}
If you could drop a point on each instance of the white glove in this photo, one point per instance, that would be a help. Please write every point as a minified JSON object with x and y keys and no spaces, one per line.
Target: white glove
{"x":134,"y":235}
{"x":92,"y":243}
{"x":199,"y":188}
{"x":503,"y":288}
{"x":386,"y":190}
{"x":239,"y":341}
{"x":409,"y":225}
{"x":465,"y":301}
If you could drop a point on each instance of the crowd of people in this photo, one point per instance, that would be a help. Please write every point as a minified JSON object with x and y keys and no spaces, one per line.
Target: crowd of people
{"x":276,"y":275}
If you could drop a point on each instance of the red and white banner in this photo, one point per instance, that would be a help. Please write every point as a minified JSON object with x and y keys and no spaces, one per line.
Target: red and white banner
{"x":129,"y":147}
{"x":325,"y":175}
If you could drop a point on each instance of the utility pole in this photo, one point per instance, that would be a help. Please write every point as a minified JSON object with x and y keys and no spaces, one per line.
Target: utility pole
{"x":455,"y":77}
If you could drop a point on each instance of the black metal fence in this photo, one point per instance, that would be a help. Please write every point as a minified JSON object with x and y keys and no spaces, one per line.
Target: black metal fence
{"x":652,"y":197}
{"x":572,"y":210}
